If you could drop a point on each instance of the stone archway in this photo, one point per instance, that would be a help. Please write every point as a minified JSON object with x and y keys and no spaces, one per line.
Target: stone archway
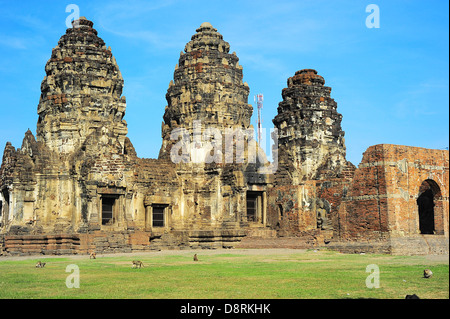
{"x":429,"y":204}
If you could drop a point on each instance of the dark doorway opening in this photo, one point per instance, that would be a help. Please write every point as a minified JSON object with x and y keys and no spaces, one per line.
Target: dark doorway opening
{"x":107,"y":210}
{"x":254,"y":206}
{"x":4,"y":207}
{"x":425,"y":203}
{"x":251,"y":207}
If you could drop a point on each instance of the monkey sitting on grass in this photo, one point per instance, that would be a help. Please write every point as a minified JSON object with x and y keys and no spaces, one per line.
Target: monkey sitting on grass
{"x":427,"y":273}
{"x":137,"y":264}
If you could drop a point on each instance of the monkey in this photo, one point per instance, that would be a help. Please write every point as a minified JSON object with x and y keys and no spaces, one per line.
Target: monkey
{"x":427,"y":273}
{"x":137,"y":264}
{"x":39,"y":264}
{"x":195,"y":257}
{"x":93,"y":255}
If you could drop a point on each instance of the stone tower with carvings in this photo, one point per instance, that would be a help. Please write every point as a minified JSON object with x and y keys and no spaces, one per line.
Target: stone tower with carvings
{"x":207,"y":90}
{"x":81,"y":92}
{"x":311,"y":142}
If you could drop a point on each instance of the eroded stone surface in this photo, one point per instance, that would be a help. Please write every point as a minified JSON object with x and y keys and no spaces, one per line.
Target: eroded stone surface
{"x":310,"y":138}
{"x":81,"y":91}
{"x":207,"y":88}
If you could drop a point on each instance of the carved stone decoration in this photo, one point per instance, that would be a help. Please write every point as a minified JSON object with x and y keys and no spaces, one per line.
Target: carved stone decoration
{"x":323,"y":214}
{"x":81,"y":91}
{"x":207,"y":90}
{"x":310,"y":138}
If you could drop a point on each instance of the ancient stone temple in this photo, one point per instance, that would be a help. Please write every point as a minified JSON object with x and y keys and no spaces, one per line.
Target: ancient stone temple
{"x":78,"y":185}
{"x":81,"y":92}
{"x":310,"y":138}
{"x":207,"y":89}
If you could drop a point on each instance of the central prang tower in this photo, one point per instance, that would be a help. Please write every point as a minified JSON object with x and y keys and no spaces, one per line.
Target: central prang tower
{"x":207,"y":87}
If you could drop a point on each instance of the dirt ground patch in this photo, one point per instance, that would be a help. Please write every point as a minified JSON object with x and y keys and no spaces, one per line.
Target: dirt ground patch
{"x":206,"y":252}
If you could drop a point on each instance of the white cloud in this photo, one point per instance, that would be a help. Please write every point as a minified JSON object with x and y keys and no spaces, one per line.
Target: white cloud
{"x":416,"y":102}
{"x":126,"y":20}
{"x":13,"y":42}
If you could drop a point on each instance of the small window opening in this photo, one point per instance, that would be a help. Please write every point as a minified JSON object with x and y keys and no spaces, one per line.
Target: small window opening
{"x":158,"y":216}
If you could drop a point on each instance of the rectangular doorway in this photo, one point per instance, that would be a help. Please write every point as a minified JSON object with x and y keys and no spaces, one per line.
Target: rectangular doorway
{"x":255,"y":205}
{"x":107,"y":210}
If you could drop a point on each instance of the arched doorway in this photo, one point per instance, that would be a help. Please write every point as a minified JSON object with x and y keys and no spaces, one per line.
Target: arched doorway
{"x":429,"y":207}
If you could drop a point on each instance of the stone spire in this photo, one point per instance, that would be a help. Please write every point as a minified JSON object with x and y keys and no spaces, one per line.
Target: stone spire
{"x":207,"y":87}
{"x":81,"y":91}
{"x":310,"y":137}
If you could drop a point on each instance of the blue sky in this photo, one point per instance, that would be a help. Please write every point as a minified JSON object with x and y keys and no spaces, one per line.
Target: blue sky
{"x":391,"y":83}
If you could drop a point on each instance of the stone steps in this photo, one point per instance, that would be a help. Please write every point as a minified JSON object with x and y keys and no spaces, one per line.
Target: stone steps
{"x":198,"y":239}
{"x":261,"y":232}
{"x":276,"y":242}
{"x":58,"y":244}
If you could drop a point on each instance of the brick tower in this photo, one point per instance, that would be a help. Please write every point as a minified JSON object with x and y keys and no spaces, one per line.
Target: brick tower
{"x":310,"y":138}
{"x":207,"y":89}
{"x":81,"y":91}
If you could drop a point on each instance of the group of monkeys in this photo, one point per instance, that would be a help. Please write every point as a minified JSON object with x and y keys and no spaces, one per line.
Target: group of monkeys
{"x":139,"y":264}
{"x":427,"y":273}
{"x":135,"y":263}
{"x":93,"y":255}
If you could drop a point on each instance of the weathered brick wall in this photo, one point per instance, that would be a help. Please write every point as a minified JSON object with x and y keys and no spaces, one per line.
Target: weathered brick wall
{"x":406,"y":169}
{"x":382,"y":199}
{"x":58,"y":244}
{"x":330,"y":194}
{"x":292,"y":209}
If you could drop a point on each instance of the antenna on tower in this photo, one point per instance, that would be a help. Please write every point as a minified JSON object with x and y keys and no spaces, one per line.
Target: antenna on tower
{"x":259,"y":103}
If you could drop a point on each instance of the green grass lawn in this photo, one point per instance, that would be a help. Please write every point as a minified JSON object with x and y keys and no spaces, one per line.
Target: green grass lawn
{"x":292,"y":274}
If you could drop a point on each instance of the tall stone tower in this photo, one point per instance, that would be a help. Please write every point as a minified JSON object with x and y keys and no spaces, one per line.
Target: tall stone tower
{"x":81,"y":91}
{"x":207,"y":89}
{"x":57,"y":182}
{"x":208,"y":102}
{"x":310,"y":138}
